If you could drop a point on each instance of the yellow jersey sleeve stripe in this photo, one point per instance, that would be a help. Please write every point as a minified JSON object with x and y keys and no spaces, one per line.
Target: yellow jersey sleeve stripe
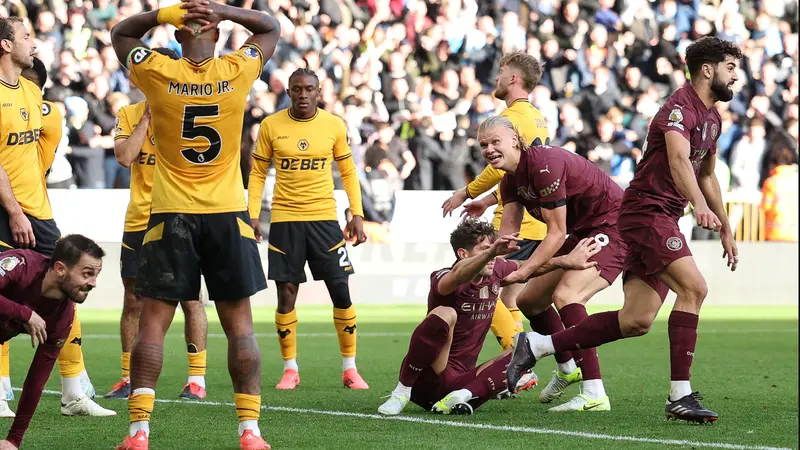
{"x":343,"y":157}
{"x":121,"y":136}
{"x":260,"y":158}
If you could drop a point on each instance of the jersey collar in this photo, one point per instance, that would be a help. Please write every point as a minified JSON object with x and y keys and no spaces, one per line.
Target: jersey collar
{"x":289,"y":111}
{"x":10,"y":86}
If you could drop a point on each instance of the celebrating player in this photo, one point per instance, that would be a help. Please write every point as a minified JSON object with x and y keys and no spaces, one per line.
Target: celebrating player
{"x":438,"y":372}
{"x":134,"y":146}
{"x":26,"y":219}
{"x":573,"y":197}
{"x":198,"y":219}
{"x":37,"y":296}
{"x":677,"y":168}
{"x":304,"y":140}
{"x":519,"y":74}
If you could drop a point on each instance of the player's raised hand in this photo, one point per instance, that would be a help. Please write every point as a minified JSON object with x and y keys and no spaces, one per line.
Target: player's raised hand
{"x":504,"y":245}
{"x":256,"y":224}
{"x":706,"y":218}
{"x":578,"y":258}
{"x":457,"y":199}
{"x":729,"y":249}
{"x":37,"y":328}
{"x":355,"y":230}
{"x":5,"y":445}
{"x":474,"y":209}
{"x":205,"y":12}
{"x":22,"y":231}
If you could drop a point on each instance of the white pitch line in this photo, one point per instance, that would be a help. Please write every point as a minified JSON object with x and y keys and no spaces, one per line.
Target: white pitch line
{"x":401,"y":334}
{"x":480,"y":426}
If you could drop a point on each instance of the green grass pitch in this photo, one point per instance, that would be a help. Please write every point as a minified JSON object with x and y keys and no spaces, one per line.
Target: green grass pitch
{"x":746,"y":365}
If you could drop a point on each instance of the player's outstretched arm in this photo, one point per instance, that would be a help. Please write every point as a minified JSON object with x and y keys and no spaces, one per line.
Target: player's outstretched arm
{"x":468,"y":268}
{"x":556,"y":220}
{"x":484,"y":181}
{"x":478,"y":207}
{"x":709,"y":186}
{"x":127,"y":35}
{"x":39,"y":372}
{"x":20,"y":226}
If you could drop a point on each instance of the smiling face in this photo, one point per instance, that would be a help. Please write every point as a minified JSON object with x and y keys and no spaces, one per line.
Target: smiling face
{"x":500,"y":147}
{"x":77,"y":281}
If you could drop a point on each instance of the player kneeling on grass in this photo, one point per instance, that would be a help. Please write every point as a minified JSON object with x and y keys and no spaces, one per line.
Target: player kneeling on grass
{"x":38,"y":296}
{"x":439,"y":371}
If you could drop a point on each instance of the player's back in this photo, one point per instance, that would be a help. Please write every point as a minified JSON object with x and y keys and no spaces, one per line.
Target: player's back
{"x":303,"y":152}
{"x":652,"y":187}
{"x":20,"y":126}
{"x":197,"y":113}
{"x":474,"y":304}
{"x":142,"y":169}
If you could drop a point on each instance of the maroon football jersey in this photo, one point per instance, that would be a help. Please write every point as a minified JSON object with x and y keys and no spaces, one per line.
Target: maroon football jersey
{"x":474,"y":303}
{"x":21,"y":276}
{"x":652,"y":188}
{"x":549,"y":177}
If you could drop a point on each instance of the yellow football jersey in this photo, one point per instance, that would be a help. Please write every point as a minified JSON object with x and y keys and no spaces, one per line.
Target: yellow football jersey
{"x":532,"y":127}
{"x":197,"y":112}
{"x":142,"y":169}
{"x":303,"y":151}
{"x":50,"y":137}
{"x":20,"y":126}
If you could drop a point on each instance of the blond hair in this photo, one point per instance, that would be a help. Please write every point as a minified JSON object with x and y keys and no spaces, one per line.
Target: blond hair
{"x":527,"y":65}
{"x":503,"y":122}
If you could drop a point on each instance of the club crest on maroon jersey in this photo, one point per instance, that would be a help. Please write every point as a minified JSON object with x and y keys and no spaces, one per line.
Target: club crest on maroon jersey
{"x":674,"y":244}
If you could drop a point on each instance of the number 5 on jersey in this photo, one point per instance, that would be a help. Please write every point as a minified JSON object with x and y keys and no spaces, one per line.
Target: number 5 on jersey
{"x":191,"y":131}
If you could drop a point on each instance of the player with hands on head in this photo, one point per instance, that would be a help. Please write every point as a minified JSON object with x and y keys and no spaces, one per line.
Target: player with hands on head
{"x":677,"y":168}
{"x":197,"y":104}
{"x":576,"y":200}
{"x":439,"y":371}
{"x":302,"y":142}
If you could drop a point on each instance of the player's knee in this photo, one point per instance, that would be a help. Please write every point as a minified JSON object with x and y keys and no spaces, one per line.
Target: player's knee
{"x":696,"y":291}
{"x":287,"y":296}
{"x":563,"y":297}
{"x":339,"y":289}
{"x":132,"y":303}
{"x":632,"y":326}
{"x":445,"y":313}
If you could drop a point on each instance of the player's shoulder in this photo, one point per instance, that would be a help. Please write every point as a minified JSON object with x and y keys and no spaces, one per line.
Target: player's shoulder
{"x":146,"y":57}
{"x":502,"y":268}
{"x":278,"y":118}
{"x":22,"y":260}
{"x":133,"y":111}
{"x":438,"y":274}
{"x":330,"y":119}
{"x":246,"y":53}
{"x":28,"y":85}
{"x":50,"y":109}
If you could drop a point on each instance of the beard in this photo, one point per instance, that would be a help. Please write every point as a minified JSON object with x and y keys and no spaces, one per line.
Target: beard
{"x":500,"y":93}
{"x":721,"y":90}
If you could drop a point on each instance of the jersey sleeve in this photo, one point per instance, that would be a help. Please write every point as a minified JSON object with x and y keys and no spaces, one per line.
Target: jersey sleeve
{"x":435,"y":278}
{"x":144,"y":65}
{"x":51,"y":135}
{"x":247,"y":63}
{"x":503,"y":268}
{"x":676,"y":115}
{"x":258,"y":172}
{"x":550,"y":183}
{"x":122,"y":128}
{"x":343,"y":156}
{"x":484,"y":181}
{"x":508,"y":192}
{"x":12,"y":273}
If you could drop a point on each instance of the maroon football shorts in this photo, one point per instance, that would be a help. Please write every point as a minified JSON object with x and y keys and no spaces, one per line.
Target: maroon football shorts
{"x":430,"y":387}
{"x":654,"y":242}
{"x":611,"y":257}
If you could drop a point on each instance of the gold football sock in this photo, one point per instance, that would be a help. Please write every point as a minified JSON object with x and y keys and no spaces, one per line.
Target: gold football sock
{"x":197,"y":362}
{"x":345,"y":322}
{"x":70,"y":359}
{"x":140,"y":404}
{"x":286,"y":325}
{"x":126,"y":364}
{"x":248,"y":407}
{"x":517,"y":315}
{"x":5,"y":369}
{"x":503,"y":325}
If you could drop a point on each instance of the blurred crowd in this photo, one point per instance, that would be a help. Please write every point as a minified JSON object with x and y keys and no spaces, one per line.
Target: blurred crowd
{"x":413,"y":78}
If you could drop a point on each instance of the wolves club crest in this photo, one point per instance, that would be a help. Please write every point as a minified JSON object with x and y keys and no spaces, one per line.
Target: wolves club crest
{"x":24,"y":113}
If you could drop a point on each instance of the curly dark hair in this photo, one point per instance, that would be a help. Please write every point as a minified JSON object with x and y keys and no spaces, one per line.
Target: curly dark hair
{"x":469,"y":232}
{"x":710,"y":50}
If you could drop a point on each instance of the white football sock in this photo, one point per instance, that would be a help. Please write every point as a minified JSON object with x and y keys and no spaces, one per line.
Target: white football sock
{"x":142,"y":425}
{"x":540,"y":345}
{"x":6,"y":381}
{"x":71,"y":389}
{"x":679,"y":389}
{"x":200,"y":380}
{"x":249,"y":425}
{"x":594,"y":389}
{"x":567,"y":367}
{"x":348,"y":362}
{"x":403,"y":390}
{"x":290,"y":364}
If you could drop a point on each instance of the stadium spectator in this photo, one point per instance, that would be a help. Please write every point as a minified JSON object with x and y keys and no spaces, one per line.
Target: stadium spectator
{"x":407,"y":63}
